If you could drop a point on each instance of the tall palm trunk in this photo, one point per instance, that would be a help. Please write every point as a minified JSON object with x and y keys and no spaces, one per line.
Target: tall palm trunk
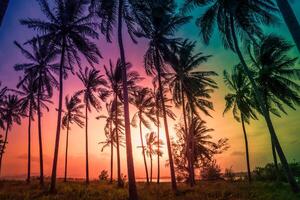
{"x":290,"y":20}
{"x":290,"y":177}
{"x":4,"y":145}
{"x":3,"y":8}
{"x":57,"y":137}
{"x":118,"y":144}
{"x":111,"y":153}
{"x":151,"y":168}
{"x":171,"y":163}
{"x":143,"y":150}
{"x":247,"y":149}
{"x":29,"y":144}
{"x":158,"y":145}
{"x":86,"y":146}
{"x":66,"y":155}
{"x":130,"y":166}
{"x":40,"y":135}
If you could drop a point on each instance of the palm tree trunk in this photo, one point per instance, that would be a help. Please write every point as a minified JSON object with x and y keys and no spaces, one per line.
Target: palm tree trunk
{"x":290,"y":20}
{"x":86,"y":146}
{"x":158,"y":145}
{"x":151,"y":164}
{"x":143,"y":151}
{"x":118,"y":144}
{"x":247,"y":149}
{"x":3,"y":8}
{"x":4,"y":145}
{"x":290,"y":177}
{"x":66,"y":155}
{"x":57,"y":137}
{"x":29,"y":143}
{"x":274,"y":156}
{"x":171,"y":163}
{"x":40,"y":135}
{"x":111,"y":153}
{"x":130,"y":166}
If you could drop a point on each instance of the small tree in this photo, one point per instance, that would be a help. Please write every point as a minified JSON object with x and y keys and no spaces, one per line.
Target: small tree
{"x":210,"y":171}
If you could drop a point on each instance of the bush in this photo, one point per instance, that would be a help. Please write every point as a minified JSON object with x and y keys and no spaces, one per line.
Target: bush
{"x":103,"y":175}
{"x":229,"y":175}
{"x":210,"y":171}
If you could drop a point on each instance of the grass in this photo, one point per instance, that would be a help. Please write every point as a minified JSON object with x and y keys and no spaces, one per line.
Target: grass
{"x":218,"y":190}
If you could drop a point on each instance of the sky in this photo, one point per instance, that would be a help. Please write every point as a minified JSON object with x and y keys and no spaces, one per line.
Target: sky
{"x":15,"y":158}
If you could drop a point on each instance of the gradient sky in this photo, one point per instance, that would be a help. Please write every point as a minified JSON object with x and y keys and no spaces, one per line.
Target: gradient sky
{"x":15,"y":158}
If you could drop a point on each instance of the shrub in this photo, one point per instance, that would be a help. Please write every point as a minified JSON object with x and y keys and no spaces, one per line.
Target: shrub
{"x":229,"y":175}
{"x":210,"y":171}
{"x":103,"y":175}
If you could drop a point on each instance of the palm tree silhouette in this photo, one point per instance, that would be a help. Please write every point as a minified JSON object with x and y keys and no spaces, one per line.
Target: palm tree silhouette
{"x":275,"y":76}
{"x":152,"y":147}
{"x":114,"y":77}
{"x":290,"y":20}
{"x":3,"y":8}
{"x":73,"y":114}
{"x":114,"y":13}
{"x":187,"y":82}
{"x":93,"y":85}
{"x":241,"y":102}
{"x":11,"y":113}
{"x":240,"y":20}
{"x":158,"y":23}
{"x":41,"y":68}
{"x":144,"y":103}
{"x":2,"y":98}
{"x":70,"y":30}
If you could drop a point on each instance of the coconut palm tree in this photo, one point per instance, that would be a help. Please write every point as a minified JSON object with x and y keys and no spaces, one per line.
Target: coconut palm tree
{"x":114,"y":77}
{"x":239,"y":21}
{"x":241,"y":102}
{"x":115,"y":13}
{"x":290,"y":20}
{"x":11,"y":114}
{"x":276,"y":76}
{"x":41,"y":68}
{"x":144,"y":103}
{"x":93,"y":85}
{"x":73,"y":114}
{"x":70,"y":29}
{"x":3,"y":8}
{"x":186,"y":81}
{"x":153,"y":147}
{"x":159,"y":22}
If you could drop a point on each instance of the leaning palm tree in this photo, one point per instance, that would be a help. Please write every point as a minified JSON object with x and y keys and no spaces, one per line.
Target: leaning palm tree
{"x":290,"y":19}
{"x":144,"y":103}
{"x":73,"y":114}
{"x":153,"y":147}
{"x":3,"y":8}
{"x":93,"y":85}
{"x":11,"y":114}
{"x":115,"y":13}
{"x":189,"y":85}
{"x":276,"y":76}
{"x":159,"y":22}
{"x":241,"y":102}
{"x":237,"y":21}
{"x":41,"y":66}
{"x":70,"y":29}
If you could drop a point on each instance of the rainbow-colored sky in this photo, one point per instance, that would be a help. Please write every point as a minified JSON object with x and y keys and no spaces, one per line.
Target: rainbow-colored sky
{"x":15,"y":158}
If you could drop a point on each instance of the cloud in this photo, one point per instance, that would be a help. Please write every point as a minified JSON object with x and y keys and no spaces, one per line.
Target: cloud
{"x":237,"y":153}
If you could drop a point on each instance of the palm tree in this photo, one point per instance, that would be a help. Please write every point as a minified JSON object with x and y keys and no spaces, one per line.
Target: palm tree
{"x":3,"y":8}
{"x":93,"y":85}
{"x":241,"y":102}
{"x":158,"y":23}
{"x":114,"y":77}
{"x":11,"y":114}
{"x":42,"y":68}
{"x":144,"y":103}
{"x":240,"y":20}
{"x":190,"y":87}
{"x":2,"y":98}
{"x":152,"y":147}
{"x":73,"y":114}
{"x":114,"y":13}
{"x":70,"y":30}
{"x":290,"y":20}
{"x":275,"y":76}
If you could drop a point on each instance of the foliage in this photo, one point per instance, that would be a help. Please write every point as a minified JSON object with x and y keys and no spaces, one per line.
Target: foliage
{"x":210,"y":170}
{"x":103,"y":175}
{"x":229,"y":174}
